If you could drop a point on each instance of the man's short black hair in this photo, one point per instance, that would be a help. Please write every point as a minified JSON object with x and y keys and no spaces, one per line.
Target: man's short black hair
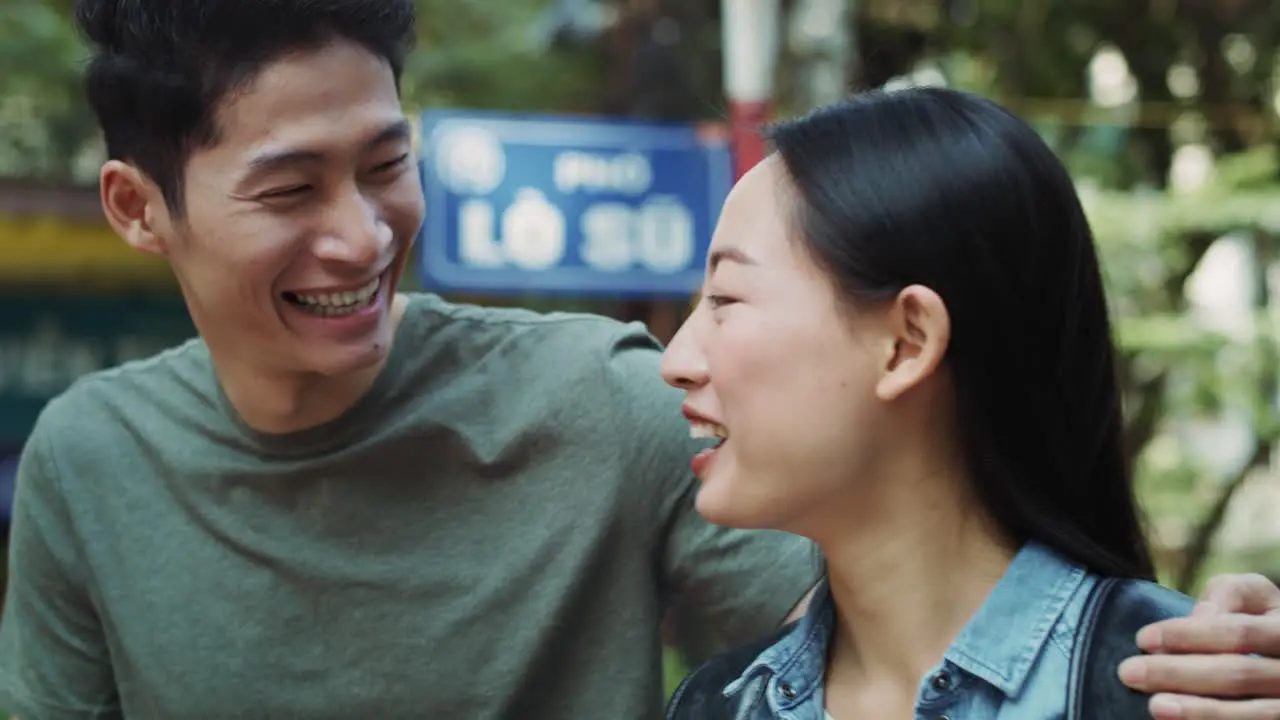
{"x":160,"y":68}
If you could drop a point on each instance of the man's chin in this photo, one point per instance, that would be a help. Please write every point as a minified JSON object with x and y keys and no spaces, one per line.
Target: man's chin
{"x":344,"y":361}
{"x":335,"y":356}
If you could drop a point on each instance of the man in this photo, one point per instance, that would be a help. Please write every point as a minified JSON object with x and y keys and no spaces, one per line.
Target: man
{"x":341,"y":502}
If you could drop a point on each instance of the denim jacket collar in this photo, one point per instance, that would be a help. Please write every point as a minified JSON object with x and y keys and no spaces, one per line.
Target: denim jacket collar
{"x":799,"y":660}
{"x":1002,"y":641}
{"x":999,"y":645}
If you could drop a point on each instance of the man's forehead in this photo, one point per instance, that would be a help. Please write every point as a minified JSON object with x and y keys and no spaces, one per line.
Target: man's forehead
{"x":337,"y":93}
{"x":292,"y":144}
{"x":366,"y":137}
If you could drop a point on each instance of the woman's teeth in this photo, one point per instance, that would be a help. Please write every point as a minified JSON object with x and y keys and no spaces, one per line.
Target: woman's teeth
{"x":338,"y":303}
{"x":707,"y":430}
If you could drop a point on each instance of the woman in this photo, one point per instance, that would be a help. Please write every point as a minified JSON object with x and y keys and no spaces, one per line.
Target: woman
{"x":904,"y":346}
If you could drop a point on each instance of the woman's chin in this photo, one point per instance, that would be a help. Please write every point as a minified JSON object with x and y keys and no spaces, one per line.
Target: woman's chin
{"x":719,"y":504}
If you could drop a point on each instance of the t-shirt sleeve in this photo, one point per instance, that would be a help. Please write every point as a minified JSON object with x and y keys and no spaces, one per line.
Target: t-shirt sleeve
{"x":54,"y":661}
{"x":743,"y":581}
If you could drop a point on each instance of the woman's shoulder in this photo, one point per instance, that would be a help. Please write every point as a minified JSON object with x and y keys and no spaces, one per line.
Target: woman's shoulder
{"x":1096,"y":632}
{"x":1052,"y":631}
{"x":1105,"y":609}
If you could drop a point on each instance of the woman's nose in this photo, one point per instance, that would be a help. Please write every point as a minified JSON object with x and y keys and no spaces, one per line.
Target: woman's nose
{"x":683,"y":364}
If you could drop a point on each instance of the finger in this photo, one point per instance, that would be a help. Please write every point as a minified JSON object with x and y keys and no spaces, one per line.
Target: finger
{"x":1206,"y":608}
{"x":1224,"y":676}
{"x":1213,"y":634}
{"x":1187,"y":707}
{"x":1245,"y":593}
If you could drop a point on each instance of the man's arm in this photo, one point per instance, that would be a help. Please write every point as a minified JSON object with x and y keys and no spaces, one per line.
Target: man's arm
{"x":743,"y":582}
{"x":53,"y":658}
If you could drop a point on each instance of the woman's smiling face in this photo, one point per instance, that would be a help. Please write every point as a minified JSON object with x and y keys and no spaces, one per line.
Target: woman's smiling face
{"x":772,"y":360}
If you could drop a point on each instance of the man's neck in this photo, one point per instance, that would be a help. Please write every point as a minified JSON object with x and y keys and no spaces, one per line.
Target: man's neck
{"x":280,"y":404}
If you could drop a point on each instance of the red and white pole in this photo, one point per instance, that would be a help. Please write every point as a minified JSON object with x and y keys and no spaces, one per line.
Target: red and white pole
{"x":749,"y":33}
{"x":749,"y":41}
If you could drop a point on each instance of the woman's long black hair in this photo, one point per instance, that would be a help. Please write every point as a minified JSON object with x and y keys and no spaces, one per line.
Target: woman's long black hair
{"x":944,"y":189}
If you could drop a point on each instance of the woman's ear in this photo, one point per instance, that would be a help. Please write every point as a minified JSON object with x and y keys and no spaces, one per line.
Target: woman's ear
{"x":919,"y":332}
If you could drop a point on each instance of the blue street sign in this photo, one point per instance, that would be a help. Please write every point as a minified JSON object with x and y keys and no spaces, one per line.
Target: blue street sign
{"x":519,"y":203}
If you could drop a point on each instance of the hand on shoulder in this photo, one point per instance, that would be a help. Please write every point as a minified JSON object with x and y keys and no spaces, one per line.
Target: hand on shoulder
{"x":1222,"y":662}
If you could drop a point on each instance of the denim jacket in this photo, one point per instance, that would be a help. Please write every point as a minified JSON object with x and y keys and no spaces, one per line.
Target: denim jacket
{"x":1010,"y":662}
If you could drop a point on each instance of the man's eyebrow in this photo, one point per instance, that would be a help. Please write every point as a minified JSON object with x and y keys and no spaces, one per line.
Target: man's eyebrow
{"x":731,"y":254}
{"x":396,"y":131}
{"x":281,"y":158}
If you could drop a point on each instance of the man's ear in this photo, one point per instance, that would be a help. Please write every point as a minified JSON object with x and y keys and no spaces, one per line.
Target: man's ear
{"x":135,"y":207}
{"x":919,"y":331}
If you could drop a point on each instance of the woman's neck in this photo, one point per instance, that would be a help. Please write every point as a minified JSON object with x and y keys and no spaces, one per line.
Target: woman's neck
{"x":906,"y":576}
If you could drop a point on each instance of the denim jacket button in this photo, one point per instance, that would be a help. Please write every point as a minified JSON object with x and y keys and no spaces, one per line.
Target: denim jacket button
{"x":943,"y":681}
{"x":787,"y":691}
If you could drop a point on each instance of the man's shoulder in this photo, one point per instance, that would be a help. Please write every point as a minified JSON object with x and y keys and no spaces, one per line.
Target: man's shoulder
{"x":541,"y":367}
{"x":563,"y":342}
{"x":432,"y":311}
{"x":133,"y":389}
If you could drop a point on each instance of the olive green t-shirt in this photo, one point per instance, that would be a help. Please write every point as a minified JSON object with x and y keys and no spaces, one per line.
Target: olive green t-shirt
{"x":493,"y":531}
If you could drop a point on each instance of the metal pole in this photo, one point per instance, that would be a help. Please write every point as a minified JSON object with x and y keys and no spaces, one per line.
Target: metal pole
{"x":749,"y":33}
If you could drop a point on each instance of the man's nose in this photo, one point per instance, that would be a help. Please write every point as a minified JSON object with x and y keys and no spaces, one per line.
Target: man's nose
{"x":356,"y":234}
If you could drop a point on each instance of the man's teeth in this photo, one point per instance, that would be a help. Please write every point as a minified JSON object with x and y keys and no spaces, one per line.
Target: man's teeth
{"x":707,"y":430}
{"x":338,"y":303}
